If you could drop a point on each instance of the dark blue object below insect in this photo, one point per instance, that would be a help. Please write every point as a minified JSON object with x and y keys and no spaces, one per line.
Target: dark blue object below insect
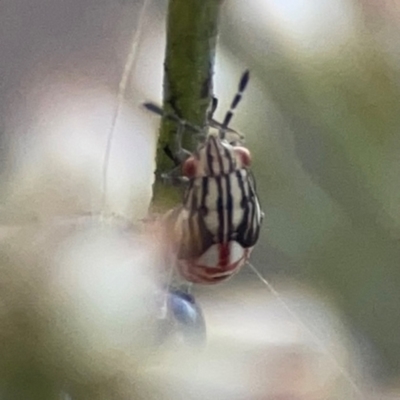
{"x":184,"y":319}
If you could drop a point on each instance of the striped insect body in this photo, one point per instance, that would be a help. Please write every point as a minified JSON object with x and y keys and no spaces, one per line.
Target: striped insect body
{"x":218,"y":223}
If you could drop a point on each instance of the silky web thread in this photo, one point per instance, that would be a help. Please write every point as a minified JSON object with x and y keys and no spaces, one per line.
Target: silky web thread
{"x":312,"y":335}
{"x":129,"y":65}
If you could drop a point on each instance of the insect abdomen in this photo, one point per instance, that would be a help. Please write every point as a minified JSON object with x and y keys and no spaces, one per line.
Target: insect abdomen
{"x":219,"y":222}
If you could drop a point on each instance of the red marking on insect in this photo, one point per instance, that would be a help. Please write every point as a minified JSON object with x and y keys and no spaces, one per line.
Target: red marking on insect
{"x":220,"y":262}
{"x":224,"y":254}
{"x":189,"y":167}
{"x":243,"y":155}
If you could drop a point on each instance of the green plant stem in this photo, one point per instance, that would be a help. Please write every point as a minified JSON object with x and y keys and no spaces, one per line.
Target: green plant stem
{"x":192,"y":27}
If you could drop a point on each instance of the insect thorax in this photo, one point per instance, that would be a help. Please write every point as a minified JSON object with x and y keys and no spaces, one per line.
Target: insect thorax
{"x":215,"y":157}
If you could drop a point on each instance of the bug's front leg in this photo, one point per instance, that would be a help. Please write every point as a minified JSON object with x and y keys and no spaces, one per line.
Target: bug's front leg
{"x":178,"y":156}
{"x":174,"y":176}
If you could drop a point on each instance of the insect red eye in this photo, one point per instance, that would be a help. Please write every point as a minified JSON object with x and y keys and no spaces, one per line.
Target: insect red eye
{"x":189,"y":167}
{"x":243,"y":155}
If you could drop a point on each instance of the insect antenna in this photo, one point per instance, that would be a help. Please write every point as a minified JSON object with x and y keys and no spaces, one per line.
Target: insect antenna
{"x":346,"y":375}
{"x":215,"y":124}
{"x":173,"y":117}
{"x":176,"y":154}
{"x":236,"y":100}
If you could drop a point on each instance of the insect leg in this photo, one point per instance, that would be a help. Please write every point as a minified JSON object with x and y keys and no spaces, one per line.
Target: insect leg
{"x":178,"y":157}
{"x":178,"y":154}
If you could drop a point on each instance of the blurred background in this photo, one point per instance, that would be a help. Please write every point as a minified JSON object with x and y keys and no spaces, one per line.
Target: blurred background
{"x":321,"y":117}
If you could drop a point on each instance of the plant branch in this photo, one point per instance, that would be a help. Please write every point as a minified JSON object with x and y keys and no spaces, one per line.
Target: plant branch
{"x":192,"y":28}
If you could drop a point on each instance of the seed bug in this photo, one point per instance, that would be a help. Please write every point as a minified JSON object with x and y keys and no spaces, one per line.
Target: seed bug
{"x":219,"y":220}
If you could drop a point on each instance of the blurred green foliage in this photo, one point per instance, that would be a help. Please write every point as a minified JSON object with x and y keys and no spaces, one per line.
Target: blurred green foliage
{"x":326,"y":147}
